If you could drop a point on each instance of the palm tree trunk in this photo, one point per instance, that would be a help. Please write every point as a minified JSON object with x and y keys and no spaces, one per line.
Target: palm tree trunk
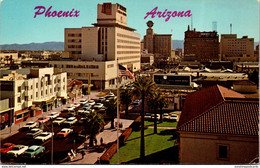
{"x":126,"y":110}
{"x":155,"y":121}
{"x":91,"y":141}
{"x":112,"y":123}
{"x":142,"y":152}
{"x":161,"y":116}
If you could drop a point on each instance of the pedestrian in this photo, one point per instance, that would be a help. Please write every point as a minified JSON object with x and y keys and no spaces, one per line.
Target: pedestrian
{"x":95,"y":141}
{"x":82,"y":154}
{"x":101,"y":141}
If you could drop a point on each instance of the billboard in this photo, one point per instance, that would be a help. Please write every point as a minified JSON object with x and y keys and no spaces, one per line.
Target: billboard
{"x":172,"y":79}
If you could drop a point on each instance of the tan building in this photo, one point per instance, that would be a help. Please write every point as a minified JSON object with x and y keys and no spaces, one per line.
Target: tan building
{"x":201,"y":46}
{"x":237,"y":49}
{"x":218,"y":126}
{"x":41,"y":87}
{"x":158,"y":44}
{"x":109,"y":40}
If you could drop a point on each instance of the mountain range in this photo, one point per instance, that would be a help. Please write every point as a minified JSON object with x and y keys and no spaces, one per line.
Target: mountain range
{"x":59,"y":46}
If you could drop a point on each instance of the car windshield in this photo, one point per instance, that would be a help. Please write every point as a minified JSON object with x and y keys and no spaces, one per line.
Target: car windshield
{"x":58,"y":119}
{"x":30,"y":150}
{"x":63,"y":131}
{"x":70,"y":119}
{"x":44,"y":135}
{"x":16,"y":148}
{"x":6,"y":146}
{"x":29,"y":123}
{"x":33,"y":131}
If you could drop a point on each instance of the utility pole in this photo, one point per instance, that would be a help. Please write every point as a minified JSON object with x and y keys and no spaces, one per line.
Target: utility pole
{"x":118,"y":114}
{"x":52,"y":141}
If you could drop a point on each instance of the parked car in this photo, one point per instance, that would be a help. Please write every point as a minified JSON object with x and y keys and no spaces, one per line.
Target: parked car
{"x":87,"y":107}
{"x":33,"y":151}
{"x":7,"y":147}
{"x":53,"y":115}
{"x":103,"y":109}
{"x":136,"y":102}
{"x":59,"y":121}
{"x":91,"y":102}
{"x":110,"y":95}
{"x":69,"y":108}
{"x":83,"y":101}
{"x":34,"y":132}
{"x":82,"y":112}
{"x":17,"y":151}
{"x":44,"y":136}
{"x":71,"y":114}
{"x":158,"y":116}
{"x":43,"y":119}
{"x":147,"y":116}
{"x":82,"y":120}
{"x":30,"y":125}
{"x":98,"y":106}
{"x":76,"y":105}
{"x":165,"y":116}
{"x":101,"y":99}
{"x":173,"y":117}
{"x":70,"y":121}
{"x":64,"y":132}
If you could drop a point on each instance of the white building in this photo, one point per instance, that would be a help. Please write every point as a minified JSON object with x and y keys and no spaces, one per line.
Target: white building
{"x":40,"y":88}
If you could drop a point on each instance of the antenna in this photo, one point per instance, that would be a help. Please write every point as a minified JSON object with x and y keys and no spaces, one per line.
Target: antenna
{"x":191,"y":24}
{"x":230,"y":28}
{"x":214,"y":26}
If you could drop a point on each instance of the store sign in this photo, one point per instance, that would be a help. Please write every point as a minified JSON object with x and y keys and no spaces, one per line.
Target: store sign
{"x":6,"y":85}
{"x":172,"y":80}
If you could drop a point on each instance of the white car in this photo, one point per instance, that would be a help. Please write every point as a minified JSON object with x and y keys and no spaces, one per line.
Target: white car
{"x":76,"y":105}
{"x":69,"y":108}
{"x":53,"y":115}
{"x":147,"y":116}
{"x":17,"y":150}
{"x":173,"y":117}
{"x":59,"y":121}
{"x":98,"y":106}
{"x":91,"y":102}
{"x":158,"y":116}
{"x":70,"y":121}
{"x":30,"y":125}
{"x":44,"y":136}
{"x":165,"y":115}
{"x":83,"y":101}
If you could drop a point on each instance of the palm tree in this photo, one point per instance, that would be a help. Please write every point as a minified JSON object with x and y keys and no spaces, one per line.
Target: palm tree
{"x":163,"y":103}
{"x":126,"y":98}
{"x":112,"y":110}
{"x":143,"y":86}
{"x":93,"y":125}
{"x":153,"y":102}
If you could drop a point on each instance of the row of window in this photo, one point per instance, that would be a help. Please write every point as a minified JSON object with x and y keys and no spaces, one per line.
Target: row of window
{"x":82,"y":74}
{"x":74,"y":46}
{"x":129,"y":57}
{"x":110,"y":65}
{"x":74,"y":34}
{"x":127,"y":36}
{"x":26,"y":98}
{"x":128,"y":42}
{"x":82,"y":66}
{"x":74,"y":40}
{"x":128,"y":52}
{"x":129,"y":47}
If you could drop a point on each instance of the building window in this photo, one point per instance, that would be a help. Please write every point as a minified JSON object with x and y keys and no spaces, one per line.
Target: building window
{"x":26,"y":98}
{"x":64,"y":87}
{"x":222,"y":151}
{"x":36,"y":85}
{"x":63,"y":79}
{"x":19,"y":99}
{"x":36,"y":94}
{"x":31,"y":86}
{"x":46,"y":92}
{"x":31,"y":97}
{"x":19,"y":89}
{"x":19,"y":116}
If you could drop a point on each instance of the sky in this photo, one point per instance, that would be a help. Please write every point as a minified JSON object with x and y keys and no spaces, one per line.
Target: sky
{"x":18,"y":25}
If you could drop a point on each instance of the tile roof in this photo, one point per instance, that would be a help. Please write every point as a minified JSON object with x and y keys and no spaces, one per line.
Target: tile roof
{"x":244,"y":82}
{"x":198,"y":102}
{"x":229,"y":117}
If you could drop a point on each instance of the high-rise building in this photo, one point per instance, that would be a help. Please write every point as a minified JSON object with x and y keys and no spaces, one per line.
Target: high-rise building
{"x":158,"y":44}
{"x":109,"y":40}
{"x":237,"y":49}
{"x":201,"y":46}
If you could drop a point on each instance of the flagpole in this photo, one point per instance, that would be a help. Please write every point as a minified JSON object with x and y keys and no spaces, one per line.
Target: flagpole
{"x":118,"y":114}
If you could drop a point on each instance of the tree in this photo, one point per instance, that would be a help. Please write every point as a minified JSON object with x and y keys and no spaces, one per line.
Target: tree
{"x":126,"y":98}
{"x":143,"y":86}
{"x":112,"y":110}
{"x":153,"y":102}
{"x":163,"y":103}
{"x":93,"y":125}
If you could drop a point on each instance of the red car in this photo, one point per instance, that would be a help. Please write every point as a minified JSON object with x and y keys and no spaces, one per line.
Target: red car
{"x":64,"y":132}
{"x":43,"y":119}
{"x":7,"y":147}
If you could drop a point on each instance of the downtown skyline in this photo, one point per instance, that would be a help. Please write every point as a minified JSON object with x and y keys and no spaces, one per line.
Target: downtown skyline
{"x":18,"y":24}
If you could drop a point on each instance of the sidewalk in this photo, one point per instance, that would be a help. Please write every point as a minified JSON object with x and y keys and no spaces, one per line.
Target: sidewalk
{"x":93,"y":154}
{"x":9,"y":131}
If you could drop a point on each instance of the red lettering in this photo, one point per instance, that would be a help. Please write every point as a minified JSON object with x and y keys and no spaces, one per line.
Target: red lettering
{"x":163,"y":15}
{"x":48,"y":12}
{"x":71,"y":13}
{"x":187,"y":13}
{"x":180,"y":14}
{"x":59,"y":14}
{"x":38,"y":12}
{"x":54,"y":13}
{"x":174,"y":13}
{"x":76,"y":13}
{"x":65,"y":14}
{"x":152,"y":13}
{"x":168,"y":16}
